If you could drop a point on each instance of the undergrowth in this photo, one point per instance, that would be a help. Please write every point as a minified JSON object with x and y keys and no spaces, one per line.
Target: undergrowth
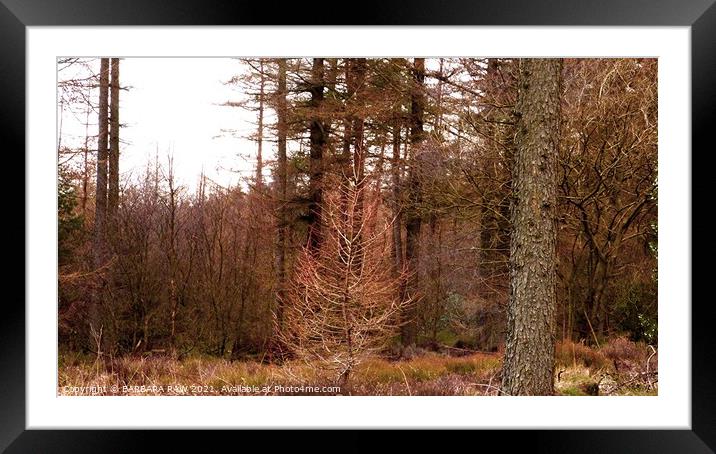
{"x":619,"y":367}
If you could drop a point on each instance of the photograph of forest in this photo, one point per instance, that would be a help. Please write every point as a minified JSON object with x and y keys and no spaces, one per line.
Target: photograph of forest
{"x":357,"y":226}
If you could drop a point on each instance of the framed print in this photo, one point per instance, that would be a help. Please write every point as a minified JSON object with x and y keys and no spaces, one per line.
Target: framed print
{"x":264,"y":222}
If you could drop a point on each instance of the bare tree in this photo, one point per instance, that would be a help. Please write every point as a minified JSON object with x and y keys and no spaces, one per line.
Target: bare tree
{"x":344,"y":303}
{"x":607,"y":181}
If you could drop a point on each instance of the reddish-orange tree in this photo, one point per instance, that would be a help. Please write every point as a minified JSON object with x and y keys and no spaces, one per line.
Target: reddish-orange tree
{"x":343,"y":302}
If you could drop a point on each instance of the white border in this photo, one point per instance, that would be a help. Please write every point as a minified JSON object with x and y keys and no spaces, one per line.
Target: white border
{"x":671,"y":409}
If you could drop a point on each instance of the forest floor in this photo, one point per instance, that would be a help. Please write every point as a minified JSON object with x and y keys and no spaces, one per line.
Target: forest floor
{"x":619,"y":367}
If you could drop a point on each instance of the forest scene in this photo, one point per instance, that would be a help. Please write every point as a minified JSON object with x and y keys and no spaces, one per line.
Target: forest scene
{"x":357,"y":226}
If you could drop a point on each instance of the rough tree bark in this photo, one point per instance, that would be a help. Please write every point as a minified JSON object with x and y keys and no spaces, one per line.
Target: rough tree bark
{"x":397,"y":203}
{"x":413,"y":217}
{"x":100,"y":217}
{"x":281,"y":183}
{"x":113,"y":193}
{"x":529,"y":350}
{"x":396,"y":167}
{"x":260,"y":128}
{"x":318,"y":144}
{"x":358,"y":70}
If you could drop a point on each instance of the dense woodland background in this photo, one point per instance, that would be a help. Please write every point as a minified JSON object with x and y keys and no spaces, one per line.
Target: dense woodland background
{"x":377,"y":223}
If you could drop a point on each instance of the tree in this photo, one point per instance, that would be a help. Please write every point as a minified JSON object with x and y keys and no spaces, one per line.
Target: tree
{"x":397,"y":174}
{"x":318,"y":135}
{"x":100,"y":217}
{"x":344,"y":302}
{"x":607,"y":178}
{"x":113,"y":184}
{"x":529,"y":350}
{"x":396,"y":205}
{"x":281,"y":193}
{"x":69,"y":222}
{"x":413,"y":217}
{"x":260,"y":126}
{"x":356,"y":75}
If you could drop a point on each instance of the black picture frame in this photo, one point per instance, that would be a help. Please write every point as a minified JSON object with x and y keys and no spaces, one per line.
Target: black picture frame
{"x":700,"y":15}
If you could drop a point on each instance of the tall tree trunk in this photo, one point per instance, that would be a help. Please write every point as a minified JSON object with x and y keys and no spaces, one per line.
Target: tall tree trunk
{"x":529,"y":351}
{"x":345,"y":161}
{"x":318,"y":144}
{"x":331,"y":76}
{"x":397,"y":195}
{"x":359,"y":69}
{"x":436,"y":273}
{"x":397,"y":205}
{"x":100,"y":217}
{"x":86,"y":167}
{"x":172,"y":257}
{"x":113,"y":193}
{"x":331,"y":79}
{"x":439,"y":100}
{"x":281,"y":183}
{"x":260,"y":128}
{"x":413,"y":216}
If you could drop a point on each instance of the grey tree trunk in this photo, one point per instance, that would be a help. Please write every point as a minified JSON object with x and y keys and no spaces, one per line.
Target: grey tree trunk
{"x":397,"y":195}
{"x":529,"y":351}
{"x":397,"y":204}
{"x":281,"y":183}
{"x":318,"y":136}
{"x":260,"y":128}
{"x":100,"y":217}
{"x":413,"y":217}
{"x":113,"y":194}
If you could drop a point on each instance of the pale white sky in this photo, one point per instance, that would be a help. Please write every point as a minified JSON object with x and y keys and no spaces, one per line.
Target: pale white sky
{"x":173,"y":105}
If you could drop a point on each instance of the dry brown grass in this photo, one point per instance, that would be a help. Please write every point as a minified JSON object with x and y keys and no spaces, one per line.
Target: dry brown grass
{"x":429,"y":374}
{"x":579,"y":369}
{"x":573,"y":354}
{"x":619,"y":367}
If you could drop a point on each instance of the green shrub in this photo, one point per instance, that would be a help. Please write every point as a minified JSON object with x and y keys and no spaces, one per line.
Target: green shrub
{"x":635,"y":312}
